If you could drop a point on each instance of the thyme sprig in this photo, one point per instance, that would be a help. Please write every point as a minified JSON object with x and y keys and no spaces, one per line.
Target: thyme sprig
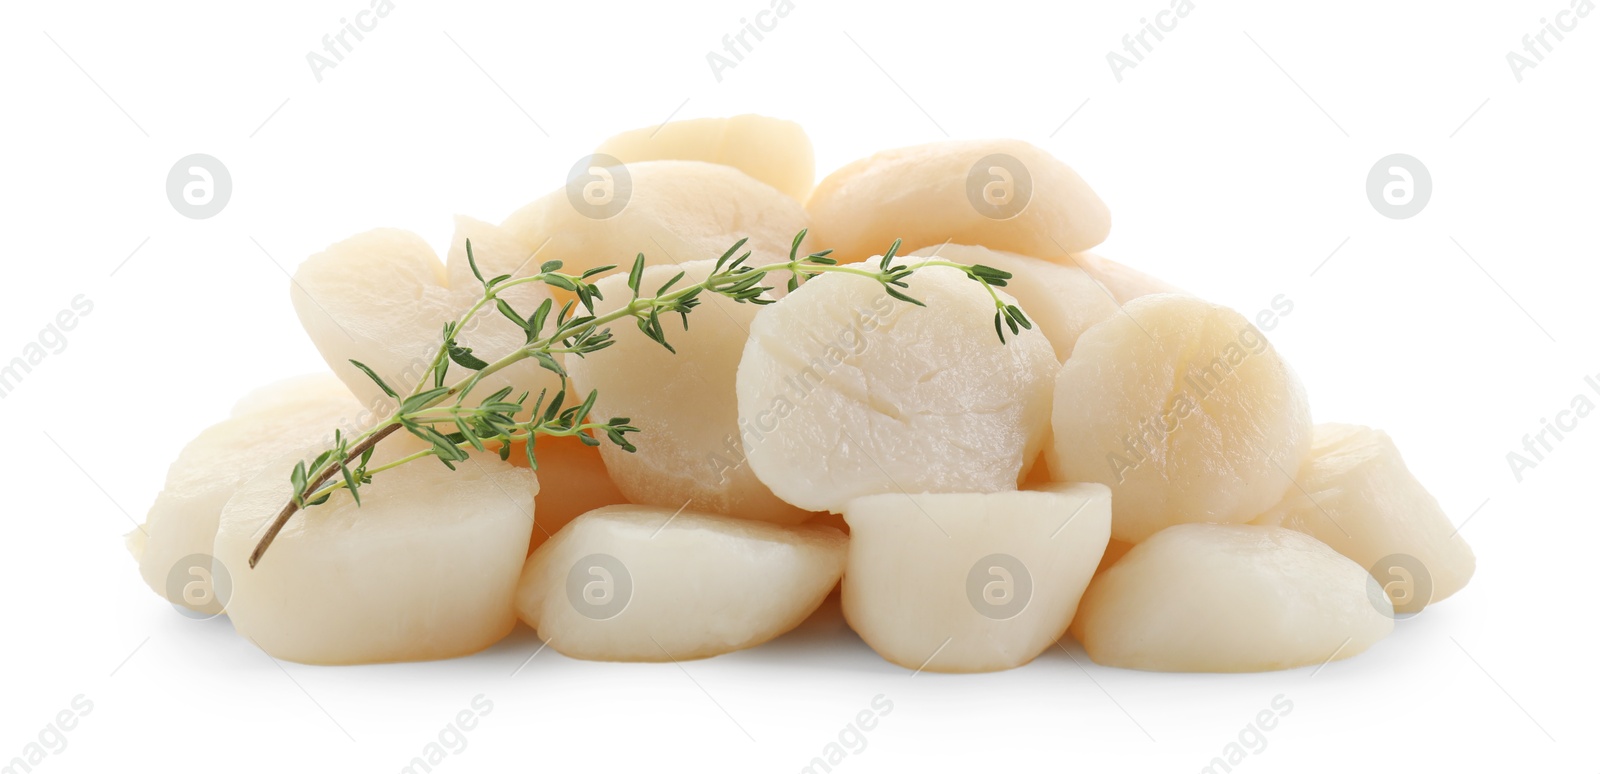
{"x":441,"y":415}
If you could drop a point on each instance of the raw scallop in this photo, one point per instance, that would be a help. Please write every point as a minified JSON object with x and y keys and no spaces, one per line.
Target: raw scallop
{"x":771,"y":150}
{"x":1356,"y":494}
{"x":845,"y":392}
{"x":1230,"y":598}
{"x":425,"y":568}
{"x":674,"y":211}
{"x":643,"y":583}
{"x":175,"y":544}
{"x":383,"y":298}
{"x":1002,"y":194}
{"x":971,"y":582}
{"x":1185,"y":410}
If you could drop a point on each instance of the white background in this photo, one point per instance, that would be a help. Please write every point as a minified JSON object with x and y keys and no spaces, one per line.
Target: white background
{"x":1234,"y":159}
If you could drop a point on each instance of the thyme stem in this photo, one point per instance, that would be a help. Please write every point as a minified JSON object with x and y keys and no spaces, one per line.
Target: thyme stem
{"x":576,"y":331}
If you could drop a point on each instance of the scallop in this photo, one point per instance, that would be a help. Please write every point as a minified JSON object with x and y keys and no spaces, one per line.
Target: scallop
{"x":1185,"y":410}
{"x":772,"y":150}
{"x":424,"y":568}
{"x":1230,"y":598}
{"x":690,"y":443}
{"x":845,"y":392}
{"x":1064,"y":301}
{"x":1002,"y":194}
{"x":383,"y":297}
{"x":971,"y":582}
{"x":379,"y":298}
{"x":174,"y":545}
{"x":671,"y":211}
{"x":644,"y":583}
{"x":1356,"y":494}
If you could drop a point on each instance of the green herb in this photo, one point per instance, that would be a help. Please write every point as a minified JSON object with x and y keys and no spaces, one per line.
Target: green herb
{"x":441,"y":415}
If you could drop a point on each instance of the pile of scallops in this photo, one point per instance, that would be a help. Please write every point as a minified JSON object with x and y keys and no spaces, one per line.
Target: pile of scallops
{"x":1139,"y":467}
